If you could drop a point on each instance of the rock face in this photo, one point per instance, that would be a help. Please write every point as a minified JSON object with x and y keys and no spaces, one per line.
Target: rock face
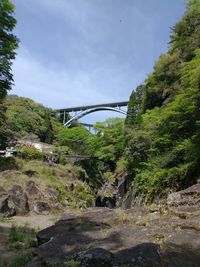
{"x":41,"y":207}
{"x":113,"y":195}
{"x":19,"y":201}
{"x":186,"y":201}
{"x":5,"y":210}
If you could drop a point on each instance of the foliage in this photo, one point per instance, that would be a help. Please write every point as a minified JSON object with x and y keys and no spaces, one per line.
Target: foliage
{"x":8,"y":164}
{"x":20,"y":260}
{"x":30,"y":153}
{"x":108,"y":143}
{"x":81,"y":196}
{"x":8,"y":45}
{"x":22,"y":237}
{"x":162,"y":148}
{"x":29,"y":120}
{"x":75,"y":138}
{"x":135,"y":107}
{"x":72,"y":263}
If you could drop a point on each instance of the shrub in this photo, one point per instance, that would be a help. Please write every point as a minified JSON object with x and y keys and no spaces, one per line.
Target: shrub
{"x":31,"y":153}
{"x":8,"y":164}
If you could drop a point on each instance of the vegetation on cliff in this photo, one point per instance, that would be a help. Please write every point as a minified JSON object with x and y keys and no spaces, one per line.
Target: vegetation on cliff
{"x":163,"y":121}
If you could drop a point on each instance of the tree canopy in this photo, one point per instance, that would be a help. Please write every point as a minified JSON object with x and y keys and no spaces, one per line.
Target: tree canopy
{"x":8,"y":45}
{"x":162,"y":147}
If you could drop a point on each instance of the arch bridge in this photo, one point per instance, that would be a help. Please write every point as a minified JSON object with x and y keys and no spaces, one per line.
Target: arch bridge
{"x":81,"y":111}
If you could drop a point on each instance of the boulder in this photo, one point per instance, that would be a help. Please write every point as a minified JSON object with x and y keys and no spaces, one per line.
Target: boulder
{"x":18,"y":200}
{"x":41,"y":207}
{"x":5,"y":210}
{"x":186,"y":201}
{"x":143,"y":255}
{"x":97,"y":257}
{"x":32,"y":190}
{"x":52,"y":194}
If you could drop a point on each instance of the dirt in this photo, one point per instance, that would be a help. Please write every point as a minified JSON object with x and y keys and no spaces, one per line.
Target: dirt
{"x":32,"y":221}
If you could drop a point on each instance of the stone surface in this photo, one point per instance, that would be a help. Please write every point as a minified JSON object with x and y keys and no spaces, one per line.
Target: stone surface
{"x":143,"y":255}
{"x":18,"y":200}
{"x":5,"y":210}
{"x":125,"y":238}
{"x":41,"y":207}
{"x":32,"y":190}
{"x":97,"y":257}
{"x":52,"y":194}
{"x":186,"y":201}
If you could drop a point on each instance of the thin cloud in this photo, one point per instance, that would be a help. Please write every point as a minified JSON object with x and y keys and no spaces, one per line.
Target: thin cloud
{"x":59,"y":87}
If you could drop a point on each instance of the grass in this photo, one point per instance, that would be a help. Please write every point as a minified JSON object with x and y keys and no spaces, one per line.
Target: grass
{"x":72,"y":263}
{"x":123,"y":217}
{"x":20,"y":260}
{"x":22,"y":238}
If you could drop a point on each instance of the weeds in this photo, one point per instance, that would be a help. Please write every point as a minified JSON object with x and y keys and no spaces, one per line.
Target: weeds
{"x":22,"y":237}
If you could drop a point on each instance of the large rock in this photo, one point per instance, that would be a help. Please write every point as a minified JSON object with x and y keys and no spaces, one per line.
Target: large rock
{"x":5,"y":210}
{"x":97,"y":257}
{"x":143,"y":255}
{"x":186,"y":201}
{"x":41,"y":207}
{"x":18,"y":200}
{"x":32,"y":190}
{"x":52,"y":194}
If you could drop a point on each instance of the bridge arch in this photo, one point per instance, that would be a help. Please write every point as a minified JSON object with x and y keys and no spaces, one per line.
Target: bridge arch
{"x":91,"y":110}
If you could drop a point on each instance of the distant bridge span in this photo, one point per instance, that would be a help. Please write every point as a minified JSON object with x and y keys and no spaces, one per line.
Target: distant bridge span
{"x":82,"y":111}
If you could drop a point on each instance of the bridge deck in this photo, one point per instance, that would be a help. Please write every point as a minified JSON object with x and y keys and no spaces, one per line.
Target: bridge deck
{"x":82,"y":108}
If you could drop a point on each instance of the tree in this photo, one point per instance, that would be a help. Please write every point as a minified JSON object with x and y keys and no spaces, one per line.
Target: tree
{"x":135,"y":106}
{"x":8,"y":45}
{"x":76,"y":138}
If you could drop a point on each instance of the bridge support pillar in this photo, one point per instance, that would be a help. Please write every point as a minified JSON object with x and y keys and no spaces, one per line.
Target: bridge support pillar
{"x":64,"y":117}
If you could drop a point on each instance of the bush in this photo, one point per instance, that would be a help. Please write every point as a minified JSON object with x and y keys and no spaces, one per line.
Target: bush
{"x":8,"y":164}
{"x":31,"y":153}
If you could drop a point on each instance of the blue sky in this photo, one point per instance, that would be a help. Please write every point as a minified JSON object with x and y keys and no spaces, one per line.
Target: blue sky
{"x":77,"y":52}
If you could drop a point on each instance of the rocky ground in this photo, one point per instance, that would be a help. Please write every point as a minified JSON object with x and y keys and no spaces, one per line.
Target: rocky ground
{"x":164,"y":236}
{"x":98,"y":237}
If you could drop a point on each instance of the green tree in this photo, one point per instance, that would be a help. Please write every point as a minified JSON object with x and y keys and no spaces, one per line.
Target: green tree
{"x":108,"y":143}
{"x":135,"y":106}
{"x":162,"y":151}
{"x":28,"y":119}
{"x":8,"y":45}
{"x":76,"y":138}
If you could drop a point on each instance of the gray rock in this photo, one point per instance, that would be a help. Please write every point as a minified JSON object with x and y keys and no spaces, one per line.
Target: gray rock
{"x":32,"y":190}
{"x":34,"y":263}
{"x":185,"y":201}
{"x":97,"y":257}
{"x":41,"y":207}
{"x":18,"y":200}
{"x":5,"y":210}
{"x":53,"y":194}
{"x":143,"y":255}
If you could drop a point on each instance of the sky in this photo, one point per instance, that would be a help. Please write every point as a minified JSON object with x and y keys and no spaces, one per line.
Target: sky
{"x":82,"y":52}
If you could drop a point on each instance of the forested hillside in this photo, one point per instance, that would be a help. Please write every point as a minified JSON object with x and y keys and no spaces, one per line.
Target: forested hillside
{"x":28,"y":119}
{"x":162,"y":150}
